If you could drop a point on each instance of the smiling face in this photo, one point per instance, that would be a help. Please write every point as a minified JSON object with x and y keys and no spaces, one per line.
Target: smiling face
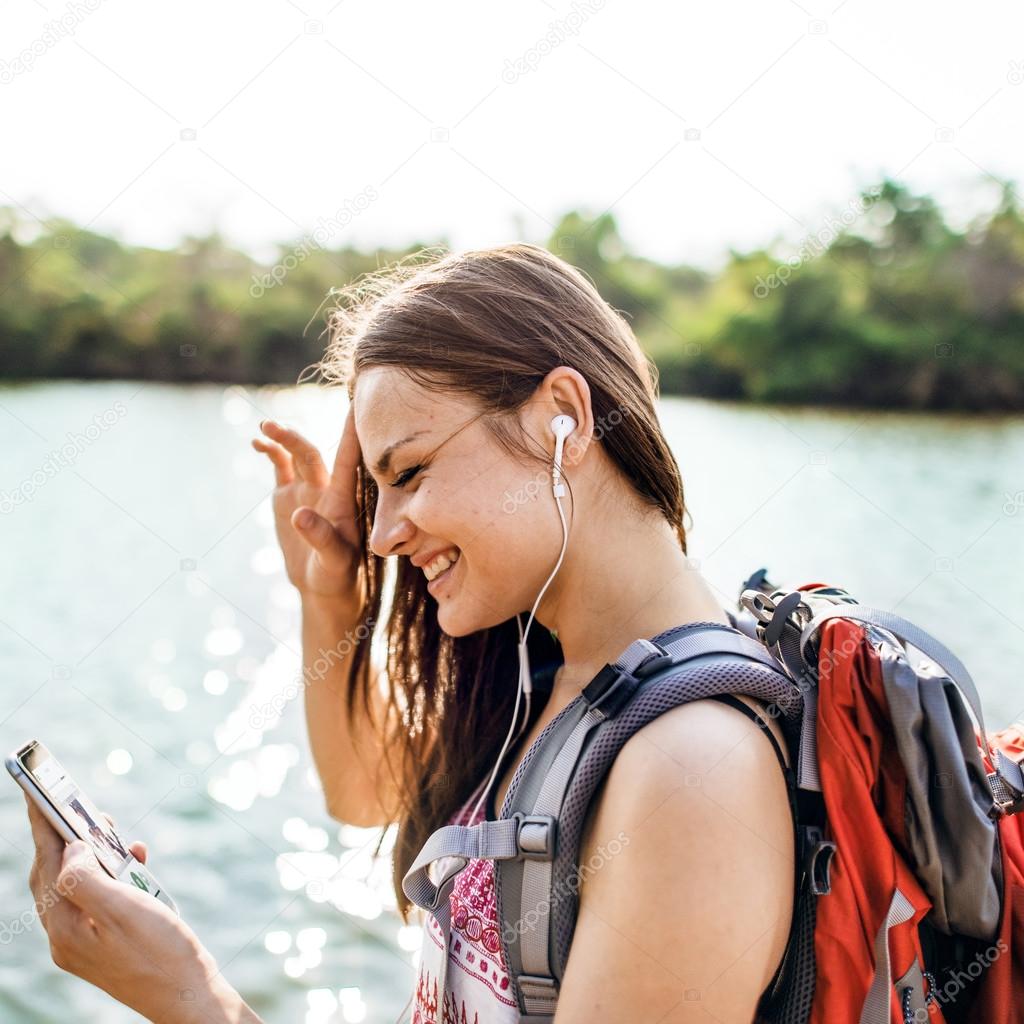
{"x":470,"y":500}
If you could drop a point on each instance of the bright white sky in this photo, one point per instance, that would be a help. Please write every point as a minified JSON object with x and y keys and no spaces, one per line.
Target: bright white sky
{"x":302,"y":106}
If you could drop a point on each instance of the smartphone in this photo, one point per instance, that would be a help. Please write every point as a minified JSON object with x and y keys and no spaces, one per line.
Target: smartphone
{"x":75,"y":816}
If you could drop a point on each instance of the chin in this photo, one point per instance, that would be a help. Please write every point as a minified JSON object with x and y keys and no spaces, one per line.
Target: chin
{"x":453,"y":624}
{"x":454,"y":631}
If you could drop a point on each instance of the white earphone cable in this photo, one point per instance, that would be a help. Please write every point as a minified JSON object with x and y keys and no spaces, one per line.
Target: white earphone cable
{"x":525,"y":681}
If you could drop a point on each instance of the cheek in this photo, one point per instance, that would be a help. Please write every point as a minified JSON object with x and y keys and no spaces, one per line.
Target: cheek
{"x":488,"y":518}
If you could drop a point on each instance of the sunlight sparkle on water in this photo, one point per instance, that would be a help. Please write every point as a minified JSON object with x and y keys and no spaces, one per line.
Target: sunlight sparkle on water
{"x":353,"y":1008}
{"x":410,"y":937}
{"x":277,"y":942}
{"x":262,"y":774}
{"x":215,"y":681}
{"x":174,"y":698}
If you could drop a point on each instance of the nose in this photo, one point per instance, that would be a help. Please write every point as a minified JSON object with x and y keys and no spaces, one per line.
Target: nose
{"x":388,"y":531}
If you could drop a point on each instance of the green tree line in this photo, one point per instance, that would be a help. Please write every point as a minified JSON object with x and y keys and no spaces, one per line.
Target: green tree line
{"x":884,"y":305}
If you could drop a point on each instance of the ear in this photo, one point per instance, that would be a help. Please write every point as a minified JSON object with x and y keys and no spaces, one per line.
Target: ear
{"x":564,"y":390}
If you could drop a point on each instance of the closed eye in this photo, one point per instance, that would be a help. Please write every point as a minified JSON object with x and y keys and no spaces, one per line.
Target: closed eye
{"x":404,"y":478}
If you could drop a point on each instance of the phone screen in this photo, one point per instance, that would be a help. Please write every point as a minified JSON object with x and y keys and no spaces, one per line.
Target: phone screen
{"x":85,"y":819}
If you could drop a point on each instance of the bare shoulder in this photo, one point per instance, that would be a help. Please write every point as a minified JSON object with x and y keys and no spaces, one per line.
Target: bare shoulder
{"x":687,"y":866}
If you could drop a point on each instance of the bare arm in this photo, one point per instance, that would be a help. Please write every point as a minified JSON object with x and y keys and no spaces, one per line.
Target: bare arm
{"x":690,"y":876}
{"x":317,"y":522}
{"x":358,"y":789}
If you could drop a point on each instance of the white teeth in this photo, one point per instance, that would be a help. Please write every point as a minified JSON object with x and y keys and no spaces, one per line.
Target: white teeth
{"x":438,"y":565}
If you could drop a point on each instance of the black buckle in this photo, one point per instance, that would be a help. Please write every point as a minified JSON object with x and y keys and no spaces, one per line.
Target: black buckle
{"x":652,"y":665}
{"x":818,"y":860}
{"x":535,"y":835}
{"x":610,"y":690}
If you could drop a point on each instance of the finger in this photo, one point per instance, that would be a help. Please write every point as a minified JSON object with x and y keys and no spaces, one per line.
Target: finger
{"x":305,"y":455}
{"x":82,"y":881}
{"x":139,"y":851}
{"x":49,"y":845}
{"x":334,"y":554}
{"x":284,"y":473}
{"x":340,"y":504}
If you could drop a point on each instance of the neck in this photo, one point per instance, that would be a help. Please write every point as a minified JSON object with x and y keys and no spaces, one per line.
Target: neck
{"x":609,"y":592}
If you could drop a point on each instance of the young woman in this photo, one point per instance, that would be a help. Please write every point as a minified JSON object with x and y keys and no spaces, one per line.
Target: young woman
{"x":455,"y":369}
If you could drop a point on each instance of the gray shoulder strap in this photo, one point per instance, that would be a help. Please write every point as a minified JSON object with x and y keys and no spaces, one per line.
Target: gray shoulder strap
{"x":518,"y":836}
{"x":538,"y":896}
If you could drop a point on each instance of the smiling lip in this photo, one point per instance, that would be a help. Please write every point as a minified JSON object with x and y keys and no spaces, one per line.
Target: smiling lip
{"x":441,"y":577}
{"x":421,"y":560}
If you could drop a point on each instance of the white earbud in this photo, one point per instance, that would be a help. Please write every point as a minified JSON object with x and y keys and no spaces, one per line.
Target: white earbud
{"x":562,"y":427}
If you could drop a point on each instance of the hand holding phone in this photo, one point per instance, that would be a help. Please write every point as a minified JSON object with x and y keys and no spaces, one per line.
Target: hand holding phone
{"x":110,"y":934}
{"x":74,"y":816}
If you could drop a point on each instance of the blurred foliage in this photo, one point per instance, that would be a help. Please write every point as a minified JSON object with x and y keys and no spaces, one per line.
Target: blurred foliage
{"x":888,"y":306}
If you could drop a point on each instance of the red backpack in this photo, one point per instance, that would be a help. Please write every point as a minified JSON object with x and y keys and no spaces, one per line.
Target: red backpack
{"x":924,"y":916}
{"x":911,"y":902}
{"x":907,"y":813}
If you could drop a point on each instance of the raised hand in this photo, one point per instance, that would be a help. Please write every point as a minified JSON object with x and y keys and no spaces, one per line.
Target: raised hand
{"x":315,"y":513}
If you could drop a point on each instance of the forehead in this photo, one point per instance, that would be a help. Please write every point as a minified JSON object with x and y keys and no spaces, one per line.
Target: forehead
{"x":389,"y":406}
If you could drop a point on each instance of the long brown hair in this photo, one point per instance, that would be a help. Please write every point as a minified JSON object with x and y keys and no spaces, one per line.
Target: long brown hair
{"x":489,"y":324}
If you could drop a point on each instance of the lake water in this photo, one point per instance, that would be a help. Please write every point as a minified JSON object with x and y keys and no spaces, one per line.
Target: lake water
{"x":146,"y":619}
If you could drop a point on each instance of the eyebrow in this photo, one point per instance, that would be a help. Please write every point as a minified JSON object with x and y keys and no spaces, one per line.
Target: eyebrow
{"x":384,"y":462}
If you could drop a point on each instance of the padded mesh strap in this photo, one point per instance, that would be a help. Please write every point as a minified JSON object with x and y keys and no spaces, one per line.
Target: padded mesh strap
{"x":537,"y":983}
{"x":712,"y":640}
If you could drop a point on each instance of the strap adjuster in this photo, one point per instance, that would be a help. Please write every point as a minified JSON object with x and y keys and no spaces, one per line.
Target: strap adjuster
{"x":535,"y":835}
{"x":818,"y":854}
{"x":610,"y":690}
{"x":542,"y":984}
{"x":539,"y":997}
{"x":653,"y":664}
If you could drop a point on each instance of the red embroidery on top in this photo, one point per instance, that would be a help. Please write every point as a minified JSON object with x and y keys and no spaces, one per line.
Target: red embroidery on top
{"x":478,"y":981}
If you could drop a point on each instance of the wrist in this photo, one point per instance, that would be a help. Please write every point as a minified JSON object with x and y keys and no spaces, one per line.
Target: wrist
{"x":321,"y":609}
{"x":216,"y":1002}
{"x":231,"y":1008}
